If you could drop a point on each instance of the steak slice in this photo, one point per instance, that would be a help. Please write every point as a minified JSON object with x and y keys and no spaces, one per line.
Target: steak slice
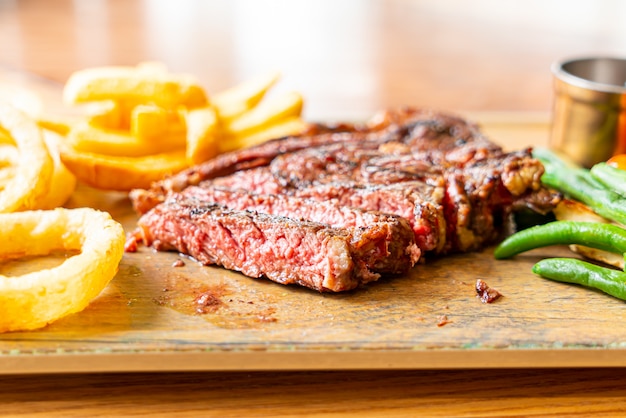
{"x":417,"y":202}
{"x":390,"y":244}
{"x":408,"y":183}
{"x":480,"y":193}
{"x":231,"y":162}
{"x":419,"y":129}
{"x":282,"y":249}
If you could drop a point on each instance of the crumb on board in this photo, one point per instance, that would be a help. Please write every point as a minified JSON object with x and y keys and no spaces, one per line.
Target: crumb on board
{"x":178,"y":263}
{"x":485,"y":293}
{"x":443,"y":320}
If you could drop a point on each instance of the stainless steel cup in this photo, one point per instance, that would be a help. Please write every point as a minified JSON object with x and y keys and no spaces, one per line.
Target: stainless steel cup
{"x":589,"y":112}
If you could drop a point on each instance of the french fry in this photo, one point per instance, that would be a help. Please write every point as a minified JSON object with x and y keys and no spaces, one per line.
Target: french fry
{"x":152,"y":123}
{"x":121,"y":173}
{"x":133,"y":85}
{"x":265,"y":114}
{"x":290,"y":126}
{"x":203,"y":134}
{"x":146,"y":118}
{"x":106,"y":114}
{"x":236,"y":100}
{"x":86,"y":138}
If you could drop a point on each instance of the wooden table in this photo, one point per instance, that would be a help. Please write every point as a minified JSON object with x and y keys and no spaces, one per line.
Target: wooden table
{"x":489,"y":60}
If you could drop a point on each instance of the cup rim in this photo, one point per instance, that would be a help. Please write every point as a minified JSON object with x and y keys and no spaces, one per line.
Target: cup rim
{"x":559,"y":72}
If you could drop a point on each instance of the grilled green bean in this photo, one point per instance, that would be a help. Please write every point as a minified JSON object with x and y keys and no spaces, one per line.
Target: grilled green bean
{"x":578,"y":183}
{"x":605,"y":237}
{"x":610,"y":177}
{"x":573,"y":270}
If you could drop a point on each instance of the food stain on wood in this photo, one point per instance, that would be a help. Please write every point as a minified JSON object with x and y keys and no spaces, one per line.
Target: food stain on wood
{"x":215,"y":303}
{"x":191,"y":297}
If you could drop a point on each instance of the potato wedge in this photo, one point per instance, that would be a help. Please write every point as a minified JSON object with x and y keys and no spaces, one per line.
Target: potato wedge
{"x":266,"y":113}
{"x":86,"y":138}
{"x":236,"y":100}
{"x":35,"y":299}
{"x":121,"y":173}
{"x":203,"y":135}
{"x":133,"y":85}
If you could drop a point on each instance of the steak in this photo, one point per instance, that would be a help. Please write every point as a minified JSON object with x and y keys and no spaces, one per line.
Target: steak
{"x":385,"y":242}
{"x":427,"y":130}
{"x":354,"y":201}
{"x":417,"y":202}
{"x":282,"y":249}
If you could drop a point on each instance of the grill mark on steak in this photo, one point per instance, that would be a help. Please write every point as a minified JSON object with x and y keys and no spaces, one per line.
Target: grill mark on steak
{"x":385,"y":242}
{"x":417,"y":202}
{"x":456,"y":189}
{"x":422,"y":129}
{"x":479,"y":192}
{"x":231,"y":162}
{"x":284,"y":250}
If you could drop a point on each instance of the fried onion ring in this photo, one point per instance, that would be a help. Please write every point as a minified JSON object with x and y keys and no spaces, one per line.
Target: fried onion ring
{"x":34,"y":169}
{"x":35,"y":299}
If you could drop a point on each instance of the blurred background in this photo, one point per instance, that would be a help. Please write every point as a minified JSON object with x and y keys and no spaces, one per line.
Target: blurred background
{"x":349,"y":58}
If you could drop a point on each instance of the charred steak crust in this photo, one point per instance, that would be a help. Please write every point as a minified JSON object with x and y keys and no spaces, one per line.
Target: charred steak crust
{"x":345,"y":204}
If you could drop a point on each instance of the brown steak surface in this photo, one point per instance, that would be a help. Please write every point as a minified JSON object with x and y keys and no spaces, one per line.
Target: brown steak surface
{"x":341,"y":205}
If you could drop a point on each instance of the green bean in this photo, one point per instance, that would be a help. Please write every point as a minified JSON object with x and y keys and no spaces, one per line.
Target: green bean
{"x":578,"y":183}
{"x":610,"y":177}
{"x":605,"y":237}
{"x":572,"y":270}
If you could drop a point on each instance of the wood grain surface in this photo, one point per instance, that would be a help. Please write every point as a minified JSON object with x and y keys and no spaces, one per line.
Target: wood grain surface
{"x":528,"y":354}
{"x":155,"y":316}
{"x":452,"y":393}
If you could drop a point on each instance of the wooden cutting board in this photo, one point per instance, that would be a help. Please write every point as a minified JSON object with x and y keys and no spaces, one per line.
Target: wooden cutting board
{"x":154,"y":316}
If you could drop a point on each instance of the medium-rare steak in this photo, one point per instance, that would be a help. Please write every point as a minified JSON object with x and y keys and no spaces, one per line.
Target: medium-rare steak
{"x":282,"y":249}
{"x":417,"y":202}
{"x":371,"y":198}
{"x":388,"y":244}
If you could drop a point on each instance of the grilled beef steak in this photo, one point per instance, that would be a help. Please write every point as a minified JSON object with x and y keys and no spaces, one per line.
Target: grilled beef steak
{"x":386,"y":242}
{"x":341,"y":205}
{"x":282,"y":249}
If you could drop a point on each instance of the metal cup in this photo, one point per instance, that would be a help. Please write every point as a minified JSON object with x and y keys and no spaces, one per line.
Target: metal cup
{"x":589,"y":112}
